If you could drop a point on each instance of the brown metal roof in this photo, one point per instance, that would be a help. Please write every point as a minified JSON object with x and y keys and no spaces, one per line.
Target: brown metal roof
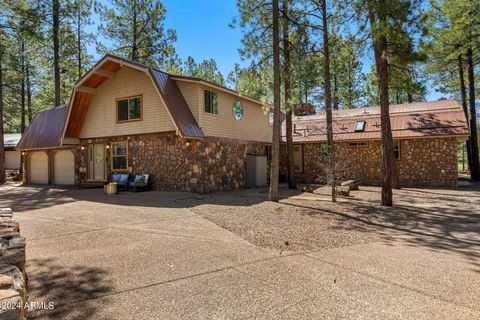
{"x":167,"y":87}
{"x":45,"y":130}
{"x":176,"y":104}
{"x":426,"y":119}
{"x":216,"y":85}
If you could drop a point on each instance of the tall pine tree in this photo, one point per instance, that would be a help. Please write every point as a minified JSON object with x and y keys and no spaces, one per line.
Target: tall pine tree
{"x":136,"y":28}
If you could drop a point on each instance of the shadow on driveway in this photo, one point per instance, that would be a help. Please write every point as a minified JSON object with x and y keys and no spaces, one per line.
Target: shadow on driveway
{"x":71,"y":289}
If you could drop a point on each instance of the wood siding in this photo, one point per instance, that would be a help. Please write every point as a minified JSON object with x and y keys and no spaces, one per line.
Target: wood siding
{"x":190,"y":93}
{"x":101,"y":115}
{"x":254,"y":125}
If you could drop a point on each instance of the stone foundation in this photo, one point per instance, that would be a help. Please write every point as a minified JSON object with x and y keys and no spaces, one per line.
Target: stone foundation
{"x":423,"y":162}
{"x":13,"y":282}
{"x":182,"y":165}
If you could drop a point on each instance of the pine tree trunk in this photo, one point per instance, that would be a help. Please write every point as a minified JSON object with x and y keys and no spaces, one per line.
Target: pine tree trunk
{"x":288,"y":112}
{"x":79,"y":41}
{"x":134,"y":30}
{"x":410,"y":97}
{"x":29,"y":92}
{"x":380,"y":48}
{"x":475,"y":169}
{"x":22,"y":90}
{"x":275,"y":162}
{"x":463,"y":94}
{"x":2,"y":149}
{"x":328,"y":103}
{"x":56,"y":51}
{"x":336,"y":99}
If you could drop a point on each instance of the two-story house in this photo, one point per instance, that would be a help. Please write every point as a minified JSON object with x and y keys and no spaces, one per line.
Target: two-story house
{"x":187,"y":133}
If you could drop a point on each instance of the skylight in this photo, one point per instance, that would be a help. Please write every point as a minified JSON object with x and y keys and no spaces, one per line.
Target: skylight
{"x":360,"y":126}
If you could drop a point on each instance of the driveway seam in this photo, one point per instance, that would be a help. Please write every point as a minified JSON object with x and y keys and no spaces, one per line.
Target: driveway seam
{"x":392,"y":283}
{"x":67,"y":234}
{"x":159,"y":232}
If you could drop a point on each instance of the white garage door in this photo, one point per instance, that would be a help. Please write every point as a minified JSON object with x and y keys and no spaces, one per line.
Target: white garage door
{"x":64,"y":167}
{"x":12,"y":160}
{"x":38,"y":168}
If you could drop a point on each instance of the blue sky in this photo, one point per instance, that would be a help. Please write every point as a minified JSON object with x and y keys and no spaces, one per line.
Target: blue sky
{"x":203,"y":32}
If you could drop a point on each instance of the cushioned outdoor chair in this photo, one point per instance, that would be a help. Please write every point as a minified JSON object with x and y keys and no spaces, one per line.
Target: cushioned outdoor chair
{"x":141,"y":182}
{"x":122,"y":181}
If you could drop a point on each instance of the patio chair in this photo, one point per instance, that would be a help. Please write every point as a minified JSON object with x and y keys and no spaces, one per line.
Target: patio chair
{"x":141,"y":182}
{"x":122,"y":181}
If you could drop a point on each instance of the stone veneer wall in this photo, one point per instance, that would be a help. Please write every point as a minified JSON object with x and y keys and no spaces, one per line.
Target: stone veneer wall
{"x":423,"y":162}
{"x":204,"y":166}
{"x":13,"y":279}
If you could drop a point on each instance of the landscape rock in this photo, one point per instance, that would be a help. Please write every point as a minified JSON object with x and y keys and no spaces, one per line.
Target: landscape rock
{"x":350,"y":183}
{"x":13,"y":283}
{"x":343,"y":190}
{"x":308,"y":189}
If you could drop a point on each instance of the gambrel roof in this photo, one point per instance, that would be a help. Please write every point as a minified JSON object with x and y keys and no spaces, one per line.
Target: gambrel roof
{"x":167,"y":88}
{"x":46,"y":129}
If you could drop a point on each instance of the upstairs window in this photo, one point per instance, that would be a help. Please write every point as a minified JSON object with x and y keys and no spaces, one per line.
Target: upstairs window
{"x":396,"y":149}
{"x":360,"y":126}
{"x":129,"y":109}
{"x":211,"y":103}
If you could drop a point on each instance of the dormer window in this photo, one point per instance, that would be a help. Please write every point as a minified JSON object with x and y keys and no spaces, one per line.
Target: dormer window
{"x":360,"y":126}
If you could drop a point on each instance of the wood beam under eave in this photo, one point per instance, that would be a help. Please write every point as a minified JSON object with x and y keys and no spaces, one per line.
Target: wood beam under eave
{"x":104,"y":73}
{"x":86,"y":90}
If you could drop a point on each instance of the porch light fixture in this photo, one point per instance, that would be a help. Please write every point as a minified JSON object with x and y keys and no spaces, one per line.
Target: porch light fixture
{"x":23,"y":153}
{"x":187,"y":143}
{"x":82,"y":148}
{"x":107,"y":146}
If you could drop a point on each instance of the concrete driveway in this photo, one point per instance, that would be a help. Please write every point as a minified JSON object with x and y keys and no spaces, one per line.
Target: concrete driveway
{"x":147,"y":256}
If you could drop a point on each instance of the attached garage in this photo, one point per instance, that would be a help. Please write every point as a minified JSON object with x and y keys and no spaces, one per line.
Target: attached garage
{"x":64,"y":167}
{"x":12,"y":160}
{"x":38,"y":167}
{"x":49,"y":160}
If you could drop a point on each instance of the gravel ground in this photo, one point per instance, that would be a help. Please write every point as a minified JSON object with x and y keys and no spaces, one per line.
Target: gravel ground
{"x":306,"y":221}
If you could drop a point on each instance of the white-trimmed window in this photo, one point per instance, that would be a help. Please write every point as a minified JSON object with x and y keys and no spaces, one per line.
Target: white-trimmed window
{"x":237,"y":110}
{"x":119,"y":155}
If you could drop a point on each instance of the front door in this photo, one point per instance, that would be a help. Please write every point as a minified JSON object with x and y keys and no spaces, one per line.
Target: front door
{"x":96,"y":162}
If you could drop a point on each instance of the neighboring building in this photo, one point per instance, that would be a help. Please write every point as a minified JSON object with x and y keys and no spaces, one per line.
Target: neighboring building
{"x":425,"y":141}
{"x":12,"y":156}
{"x":189,"y":134}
